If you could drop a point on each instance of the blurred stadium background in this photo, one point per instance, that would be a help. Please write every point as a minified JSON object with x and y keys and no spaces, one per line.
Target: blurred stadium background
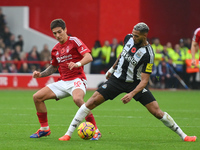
{"x":91,"y":20}
{"x":123,"y":126}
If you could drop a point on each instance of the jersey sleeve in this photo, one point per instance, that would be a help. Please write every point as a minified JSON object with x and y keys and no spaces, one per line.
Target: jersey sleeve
{"x":54,"y":61}
{"x":148,"y":65}
{"x":128,"y":36}
{"x":81,"y":47}
{"x":147,"y":68}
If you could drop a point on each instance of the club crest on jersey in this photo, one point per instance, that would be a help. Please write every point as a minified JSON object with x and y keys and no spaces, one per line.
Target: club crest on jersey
{"x":67,"y":49}
{"x":138,"y":54}
{"x":104,"y":86}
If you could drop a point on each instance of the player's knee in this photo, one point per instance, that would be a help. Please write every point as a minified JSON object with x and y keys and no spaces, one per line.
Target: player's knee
{"x":78,"y":101}
{"x":36,"y":98}
{"x":158,"y":113}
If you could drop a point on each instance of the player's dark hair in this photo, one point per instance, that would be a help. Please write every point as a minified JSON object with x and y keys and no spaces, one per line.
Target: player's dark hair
{"x":58,"y":23}
{"x":142,"y":27}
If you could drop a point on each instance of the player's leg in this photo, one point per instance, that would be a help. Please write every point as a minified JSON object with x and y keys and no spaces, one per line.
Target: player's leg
{"x":39,"y":97}
{"x":78,"y":95}
{"x":91,"y":105}
{"x":83,"y":111}
{"x":168,"y":121}
{"x":109,"y":90}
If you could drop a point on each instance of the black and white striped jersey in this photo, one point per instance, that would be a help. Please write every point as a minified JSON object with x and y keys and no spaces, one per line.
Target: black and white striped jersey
{"x":133,"y":61}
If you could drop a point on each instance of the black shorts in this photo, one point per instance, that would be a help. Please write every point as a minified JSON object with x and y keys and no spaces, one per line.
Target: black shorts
{"x":113,"y":87}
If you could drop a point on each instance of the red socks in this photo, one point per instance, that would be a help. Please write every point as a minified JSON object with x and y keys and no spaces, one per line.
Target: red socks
{"x":91,"y":119}
{"x":43,"y":119}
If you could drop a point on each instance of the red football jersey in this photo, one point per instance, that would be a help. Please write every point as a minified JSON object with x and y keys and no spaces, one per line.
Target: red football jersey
{"x":71,"y":51}
{"x":196,"y":36}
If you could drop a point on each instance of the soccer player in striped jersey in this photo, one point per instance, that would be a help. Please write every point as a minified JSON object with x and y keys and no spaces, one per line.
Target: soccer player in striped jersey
{"x":130,"y":74}
{"x":69,"y":56}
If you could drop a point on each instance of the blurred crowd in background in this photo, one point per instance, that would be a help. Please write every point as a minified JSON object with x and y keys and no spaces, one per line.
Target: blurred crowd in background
{"x":170,"y":61}
{"x":12,"y":56}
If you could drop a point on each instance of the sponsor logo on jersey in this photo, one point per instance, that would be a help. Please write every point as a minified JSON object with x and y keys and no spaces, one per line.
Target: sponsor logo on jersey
{"x":82,"y":49}
{"x":149,"y":67}
{"x":128,"y":57}
{"x":64,"y":58}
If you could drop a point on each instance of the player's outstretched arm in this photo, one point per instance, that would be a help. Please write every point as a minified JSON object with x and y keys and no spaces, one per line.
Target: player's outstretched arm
{"x":50,"y":70}
{"x":111,"y":70}
{"x":87,"y":58}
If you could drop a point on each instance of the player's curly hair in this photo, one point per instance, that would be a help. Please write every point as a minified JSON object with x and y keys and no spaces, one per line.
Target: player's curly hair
{"x":142,"y":27}
{"x":58,"y":23}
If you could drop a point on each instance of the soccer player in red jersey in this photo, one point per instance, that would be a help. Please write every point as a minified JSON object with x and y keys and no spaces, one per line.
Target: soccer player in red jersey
{"x":69,"y":56}
{"x":195,"y":44}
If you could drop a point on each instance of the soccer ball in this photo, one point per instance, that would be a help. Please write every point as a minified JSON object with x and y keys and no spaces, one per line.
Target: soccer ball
{"x":86,"y":130}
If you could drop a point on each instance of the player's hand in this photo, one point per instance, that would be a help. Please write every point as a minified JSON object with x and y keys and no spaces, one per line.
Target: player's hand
{"x":72,"y":65}
{"x":127,"y":98}
{"x":36,"y":74}
{"x":109,"y":72}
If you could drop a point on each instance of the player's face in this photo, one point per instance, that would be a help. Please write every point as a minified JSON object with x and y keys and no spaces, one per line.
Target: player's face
{"x":138,"y":37}
{"x":60,"y":34}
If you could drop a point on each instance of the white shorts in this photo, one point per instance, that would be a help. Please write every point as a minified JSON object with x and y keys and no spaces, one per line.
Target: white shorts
{"x":65,"y":88}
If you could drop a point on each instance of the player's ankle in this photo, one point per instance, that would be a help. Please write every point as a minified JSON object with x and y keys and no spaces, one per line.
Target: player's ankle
{"x":44,"y":128}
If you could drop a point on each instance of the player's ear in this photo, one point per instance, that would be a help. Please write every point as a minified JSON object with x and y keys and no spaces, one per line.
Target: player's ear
{"x":145,"y":34}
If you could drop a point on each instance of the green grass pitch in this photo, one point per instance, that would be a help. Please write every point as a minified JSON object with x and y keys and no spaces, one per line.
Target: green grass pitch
{"x":123,"y":126}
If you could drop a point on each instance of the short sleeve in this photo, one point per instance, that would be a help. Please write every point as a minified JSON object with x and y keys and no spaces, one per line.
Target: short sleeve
{"x":148,"y":66}
{"x":81,"y":47}
{"x":128,"y":36}
{"x":54,"y":61}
